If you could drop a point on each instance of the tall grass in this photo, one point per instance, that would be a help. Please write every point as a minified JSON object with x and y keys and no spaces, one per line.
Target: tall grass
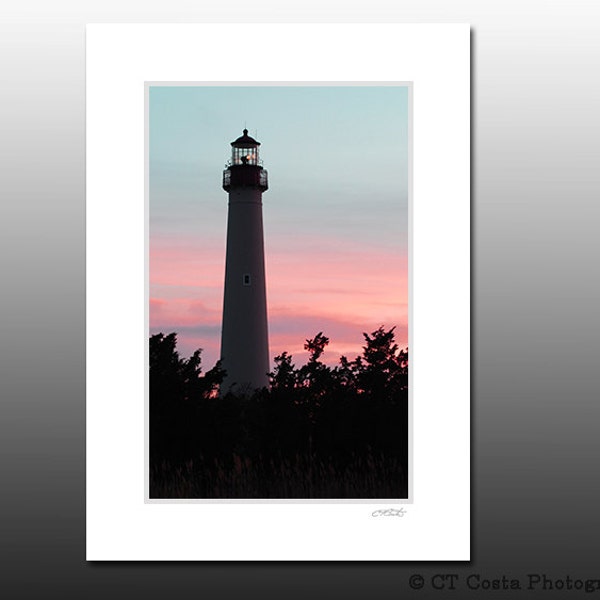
{"x":301,"y":476}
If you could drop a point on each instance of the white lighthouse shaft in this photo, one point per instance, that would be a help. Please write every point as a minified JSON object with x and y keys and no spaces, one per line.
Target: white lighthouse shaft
{"x":244,"y":337}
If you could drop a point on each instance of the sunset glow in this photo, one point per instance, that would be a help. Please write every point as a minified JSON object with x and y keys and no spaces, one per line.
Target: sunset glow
{"x":335,"y":216}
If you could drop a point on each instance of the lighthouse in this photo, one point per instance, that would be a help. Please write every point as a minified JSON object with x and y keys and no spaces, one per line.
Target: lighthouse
{"x":244,"y":335}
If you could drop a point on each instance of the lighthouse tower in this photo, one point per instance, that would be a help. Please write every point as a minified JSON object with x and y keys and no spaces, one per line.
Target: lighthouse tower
{"x":244,"y":336}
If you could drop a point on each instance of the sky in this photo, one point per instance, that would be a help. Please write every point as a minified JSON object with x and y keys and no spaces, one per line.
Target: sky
{"x":335,"y":214}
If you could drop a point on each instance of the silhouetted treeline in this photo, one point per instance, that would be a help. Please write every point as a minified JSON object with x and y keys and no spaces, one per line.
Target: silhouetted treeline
{"x":316,"y":432}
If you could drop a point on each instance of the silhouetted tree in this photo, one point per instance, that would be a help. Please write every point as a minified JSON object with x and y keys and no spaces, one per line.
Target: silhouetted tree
{"x":283,"y":377}
{"x":345,"y":374}
{"x":353,"y":418}
{"x":175,"y":389}
{"x":316,"y":346}
{"x":383,"y":368}
{"x":315,"y":375}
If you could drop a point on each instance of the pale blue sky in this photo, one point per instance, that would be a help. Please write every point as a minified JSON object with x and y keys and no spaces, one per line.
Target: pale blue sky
{"x":336,"y":153}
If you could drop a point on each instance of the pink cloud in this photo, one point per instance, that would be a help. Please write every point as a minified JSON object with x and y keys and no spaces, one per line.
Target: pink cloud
{"x":313,"y":284}
{"x":181,"y":312}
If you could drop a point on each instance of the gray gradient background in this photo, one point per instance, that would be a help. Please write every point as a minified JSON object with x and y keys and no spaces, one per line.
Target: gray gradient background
{"x":536,"y":293}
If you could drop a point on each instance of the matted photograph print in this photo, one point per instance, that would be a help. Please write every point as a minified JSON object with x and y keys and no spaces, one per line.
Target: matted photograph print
{"x":278,"y":291}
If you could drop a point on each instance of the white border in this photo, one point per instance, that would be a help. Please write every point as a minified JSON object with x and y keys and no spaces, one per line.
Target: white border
{"x":120,"y":59}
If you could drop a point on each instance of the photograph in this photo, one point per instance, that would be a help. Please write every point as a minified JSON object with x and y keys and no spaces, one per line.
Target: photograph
{"x":278,"y":291}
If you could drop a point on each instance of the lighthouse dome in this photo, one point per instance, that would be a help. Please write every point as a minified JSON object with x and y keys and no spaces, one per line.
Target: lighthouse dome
{"x":245,"y":141}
